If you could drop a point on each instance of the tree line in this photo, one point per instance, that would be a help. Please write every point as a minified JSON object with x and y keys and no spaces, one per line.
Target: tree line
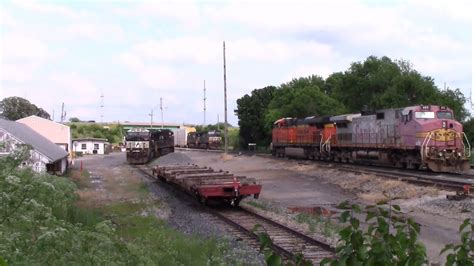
{"x":14,"y":108}
{"x":376,"y":83}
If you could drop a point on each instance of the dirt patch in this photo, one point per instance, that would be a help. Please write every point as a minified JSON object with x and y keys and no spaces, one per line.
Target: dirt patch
{"x":226,"y":157}
{"x":373,"y":189}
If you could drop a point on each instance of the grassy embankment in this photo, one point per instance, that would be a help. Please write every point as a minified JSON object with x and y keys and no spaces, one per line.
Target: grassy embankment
{"x":147,"y":238}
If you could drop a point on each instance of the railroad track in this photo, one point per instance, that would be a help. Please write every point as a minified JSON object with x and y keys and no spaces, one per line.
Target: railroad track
{"x":445,"y":181}
{"x":286,"y":241}
{"x":420,"y":177}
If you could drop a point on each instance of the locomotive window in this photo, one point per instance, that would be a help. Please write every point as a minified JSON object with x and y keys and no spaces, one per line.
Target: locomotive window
{"x":426,"y":115}
{"x":445,"y":115}
{"x":380,"y":116}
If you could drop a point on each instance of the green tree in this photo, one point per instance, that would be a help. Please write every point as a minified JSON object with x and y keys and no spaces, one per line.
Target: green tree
{"x":74,"y":120}
{"x":379,"y":83}
{"x":469,"y":130}
{"x":301,"y":98}
{"x":251,"y":110}
{"x":14,"y":108}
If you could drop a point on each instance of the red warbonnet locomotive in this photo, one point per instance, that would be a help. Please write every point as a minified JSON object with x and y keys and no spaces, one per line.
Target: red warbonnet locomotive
{"x":413,"y":137}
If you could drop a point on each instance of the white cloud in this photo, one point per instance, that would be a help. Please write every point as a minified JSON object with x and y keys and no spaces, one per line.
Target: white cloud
{"x":95,"y":31}
{"x":186,"y":13}
{"x":202,"y":50}
{"x":50,"y":9}
{"x":23,"y":47}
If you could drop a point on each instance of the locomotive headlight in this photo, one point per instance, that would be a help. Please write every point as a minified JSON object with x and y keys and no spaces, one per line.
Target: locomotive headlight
{"x":440,"y":154}
{"x":459,"y":154}
{"x":444,"y":124}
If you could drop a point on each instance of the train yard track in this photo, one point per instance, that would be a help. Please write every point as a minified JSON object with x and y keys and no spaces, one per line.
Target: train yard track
{"x":287,"y":242}
{"x":442,"y":180}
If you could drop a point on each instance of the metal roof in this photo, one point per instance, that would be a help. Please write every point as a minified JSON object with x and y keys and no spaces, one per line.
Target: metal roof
{"x":31,"y":137}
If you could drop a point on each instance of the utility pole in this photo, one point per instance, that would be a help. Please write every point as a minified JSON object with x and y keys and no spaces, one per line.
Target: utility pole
{"x":218,"y":126}
{"x":225,"y":104}
{"x":53,"y":114}
{"x":204,"y":99}
{"x":151,"y":119}
{"x":63,"y":115}
{"x":161,"y":108}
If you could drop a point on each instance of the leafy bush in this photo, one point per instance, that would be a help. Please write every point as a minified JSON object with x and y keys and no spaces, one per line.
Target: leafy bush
{"x":463,"y":253}
{"x":40,"y":225}
{"x":390,"y":238}
{"x":112,"y":133}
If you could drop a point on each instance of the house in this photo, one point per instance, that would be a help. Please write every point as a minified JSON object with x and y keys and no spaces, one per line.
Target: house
{"x":55,"y":132}
{"x":45,"y":156}
{"x":89,"y":145}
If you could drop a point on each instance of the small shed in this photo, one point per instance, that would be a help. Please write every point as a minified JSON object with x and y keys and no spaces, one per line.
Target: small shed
{"x":89,"y":145}
{"x":45,"y":156}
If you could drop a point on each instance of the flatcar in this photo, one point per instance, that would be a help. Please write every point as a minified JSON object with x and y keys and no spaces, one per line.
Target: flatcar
{"x":205,"y":139}
{"x":414,"y":137}
{"x":143,"y":145}
{"x":208,"y":185}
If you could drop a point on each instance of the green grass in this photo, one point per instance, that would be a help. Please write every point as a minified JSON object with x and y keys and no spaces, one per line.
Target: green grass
{"x":156,"y":243}
{"x":258,"y":204}
{"x":317,"y":223}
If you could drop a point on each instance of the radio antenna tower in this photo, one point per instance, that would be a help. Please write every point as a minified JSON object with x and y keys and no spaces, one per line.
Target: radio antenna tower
{"x":101,"y":108}
{"x":204,"y":99}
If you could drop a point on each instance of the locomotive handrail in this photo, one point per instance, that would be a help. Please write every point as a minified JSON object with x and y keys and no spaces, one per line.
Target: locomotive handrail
{"x":424,"y":145}
{"x":321,"y":143}
{"x":468,"y":144}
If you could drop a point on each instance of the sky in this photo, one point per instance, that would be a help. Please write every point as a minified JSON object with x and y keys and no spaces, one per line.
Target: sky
{"x":134,"y":53}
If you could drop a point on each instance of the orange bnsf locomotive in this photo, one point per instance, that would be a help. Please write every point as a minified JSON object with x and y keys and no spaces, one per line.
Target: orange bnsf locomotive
{"x":413,"y":137}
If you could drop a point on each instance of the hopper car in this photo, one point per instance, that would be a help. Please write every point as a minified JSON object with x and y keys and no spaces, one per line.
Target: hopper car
{"x":414,"y":137}
{"x":143,"y":145}
{"x":204,"y":140}
{"x":208,"y":185}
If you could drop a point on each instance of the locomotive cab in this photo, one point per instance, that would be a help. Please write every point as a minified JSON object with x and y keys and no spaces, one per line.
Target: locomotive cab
{"x":440,"y":139}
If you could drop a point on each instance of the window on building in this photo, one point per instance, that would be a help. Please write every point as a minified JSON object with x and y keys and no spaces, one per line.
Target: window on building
{"x":83,"y":146}
{"x":96,"y":146}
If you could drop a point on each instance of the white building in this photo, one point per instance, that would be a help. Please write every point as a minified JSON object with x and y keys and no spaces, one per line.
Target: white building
{"x":45,"y":156}
{"x":89,"y":145}
{"x":55,"y":132}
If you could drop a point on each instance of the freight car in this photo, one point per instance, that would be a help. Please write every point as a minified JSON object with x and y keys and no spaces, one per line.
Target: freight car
{"x":142,"y":145}
{"x":414,"y":137}
{"x":208,"y":185}
{"x":204,"y":140}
